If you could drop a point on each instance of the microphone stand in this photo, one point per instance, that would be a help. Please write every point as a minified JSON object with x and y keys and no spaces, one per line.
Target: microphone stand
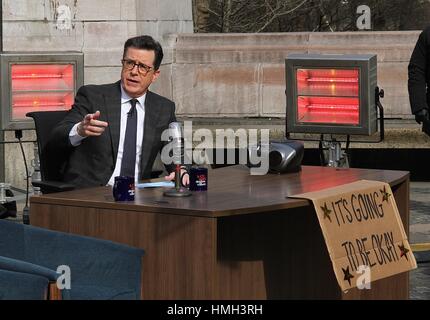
{"x":176,"y":134}
{"x":178,"y":190}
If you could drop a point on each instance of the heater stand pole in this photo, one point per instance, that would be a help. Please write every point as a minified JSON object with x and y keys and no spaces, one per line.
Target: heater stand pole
{"x":337,"y":158}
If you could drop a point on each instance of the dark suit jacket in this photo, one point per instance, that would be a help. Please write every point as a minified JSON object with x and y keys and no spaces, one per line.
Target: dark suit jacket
{"x":93,"y":161}
{"x":419,"y":73}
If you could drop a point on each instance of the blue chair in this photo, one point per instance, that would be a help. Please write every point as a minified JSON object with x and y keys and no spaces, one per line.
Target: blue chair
{"x":100,"y":269}
{"x":22,"y":286}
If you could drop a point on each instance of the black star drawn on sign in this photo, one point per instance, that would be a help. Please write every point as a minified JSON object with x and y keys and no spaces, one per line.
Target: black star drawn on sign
{"x":404,"y":251}
{"x":326,"y":211}
{"x":385,"y":195}
{"x":346,"y":275}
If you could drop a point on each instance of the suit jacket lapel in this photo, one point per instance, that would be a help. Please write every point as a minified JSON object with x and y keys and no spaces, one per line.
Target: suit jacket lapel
{"x":113,"y":113}
{"x":150,"y":124}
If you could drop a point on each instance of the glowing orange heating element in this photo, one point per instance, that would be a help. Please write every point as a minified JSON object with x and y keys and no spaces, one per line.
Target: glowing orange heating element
{"x":41,"y":87}
{"x":328,"y":96}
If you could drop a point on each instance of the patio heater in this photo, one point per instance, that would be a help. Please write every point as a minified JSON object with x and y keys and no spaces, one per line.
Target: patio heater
{"x":333,"y":94}
{"x":35,"y":81}
{"x":43,"y":81}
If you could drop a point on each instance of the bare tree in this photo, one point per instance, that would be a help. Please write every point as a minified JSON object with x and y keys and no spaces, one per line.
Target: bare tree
{"x":307,"y":15}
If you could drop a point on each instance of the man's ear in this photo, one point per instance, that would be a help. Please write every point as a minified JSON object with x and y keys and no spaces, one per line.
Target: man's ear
{"x":155,"y":75}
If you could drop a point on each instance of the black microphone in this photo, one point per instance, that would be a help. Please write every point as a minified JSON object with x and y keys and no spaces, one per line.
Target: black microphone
{"x":176,"y":134}
{"x":175,"y":129}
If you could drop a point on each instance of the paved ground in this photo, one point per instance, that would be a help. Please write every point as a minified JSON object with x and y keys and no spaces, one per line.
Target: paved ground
{"x":419,"y":233}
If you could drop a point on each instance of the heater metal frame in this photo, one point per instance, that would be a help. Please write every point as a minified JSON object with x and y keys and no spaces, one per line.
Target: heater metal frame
{"x":366,"y":65}
{"x":7,"y":59}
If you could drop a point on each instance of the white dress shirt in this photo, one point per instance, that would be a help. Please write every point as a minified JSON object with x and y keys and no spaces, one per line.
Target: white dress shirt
{"x":75,"y":138}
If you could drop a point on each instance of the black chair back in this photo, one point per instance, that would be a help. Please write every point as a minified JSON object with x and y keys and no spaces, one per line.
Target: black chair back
{"x":52,"y":161}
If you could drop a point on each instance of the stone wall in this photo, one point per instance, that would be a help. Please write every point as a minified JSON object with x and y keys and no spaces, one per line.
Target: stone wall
{"x":207,"y":75}
{"x":243,"y":75}
{"x":98,"y":28}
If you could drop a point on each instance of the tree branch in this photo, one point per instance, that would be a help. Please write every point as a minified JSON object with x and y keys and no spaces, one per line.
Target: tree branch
{"x":279,"y":15}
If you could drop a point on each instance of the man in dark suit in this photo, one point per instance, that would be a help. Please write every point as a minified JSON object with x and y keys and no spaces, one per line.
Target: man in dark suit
{"x":115,"y":129}
{"x":419,"y":79}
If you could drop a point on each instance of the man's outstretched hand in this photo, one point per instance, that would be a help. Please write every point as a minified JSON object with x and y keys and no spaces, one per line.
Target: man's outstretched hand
{"x":91,"y":126}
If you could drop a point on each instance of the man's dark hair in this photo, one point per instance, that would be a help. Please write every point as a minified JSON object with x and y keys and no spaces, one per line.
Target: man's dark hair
{"x":147,"y":43}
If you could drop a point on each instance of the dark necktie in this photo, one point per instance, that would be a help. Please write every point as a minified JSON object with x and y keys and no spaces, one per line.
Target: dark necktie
{"x":128,"y":162}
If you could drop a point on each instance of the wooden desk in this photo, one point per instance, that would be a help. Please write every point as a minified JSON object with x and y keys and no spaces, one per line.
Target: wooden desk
{"x":243,"y":239}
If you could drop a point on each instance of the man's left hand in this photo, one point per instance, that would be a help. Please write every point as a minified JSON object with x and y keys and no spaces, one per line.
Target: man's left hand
{"x":184,"y":174}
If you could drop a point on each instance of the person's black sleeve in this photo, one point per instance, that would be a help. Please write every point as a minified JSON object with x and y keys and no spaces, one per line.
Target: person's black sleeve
{"x":417,"y":71}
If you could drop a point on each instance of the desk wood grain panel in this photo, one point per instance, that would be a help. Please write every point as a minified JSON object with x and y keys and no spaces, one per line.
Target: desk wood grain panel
{"x":290,"y":249}
{"x":180,"y":253}
{"x":243,"y":239}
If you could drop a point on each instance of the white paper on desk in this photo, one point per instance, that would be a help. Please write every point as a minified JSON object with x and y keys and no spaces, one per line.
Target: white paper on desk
{"x":155,"y":184}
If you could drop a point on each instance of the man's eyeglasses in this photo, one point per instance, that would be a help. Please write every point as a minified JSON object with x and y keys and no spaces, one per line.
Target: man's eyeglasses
{"x":142,"y":68}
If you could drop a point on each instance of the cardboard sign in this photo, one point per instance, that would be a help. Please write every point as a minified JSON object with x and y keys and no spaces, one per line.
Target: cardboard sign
{"x":363,"y":231}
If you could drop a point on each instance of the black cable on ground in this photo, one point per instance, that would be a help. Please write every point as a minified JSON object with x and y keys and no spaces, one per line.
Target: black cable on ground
{"x":25,"y":211}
